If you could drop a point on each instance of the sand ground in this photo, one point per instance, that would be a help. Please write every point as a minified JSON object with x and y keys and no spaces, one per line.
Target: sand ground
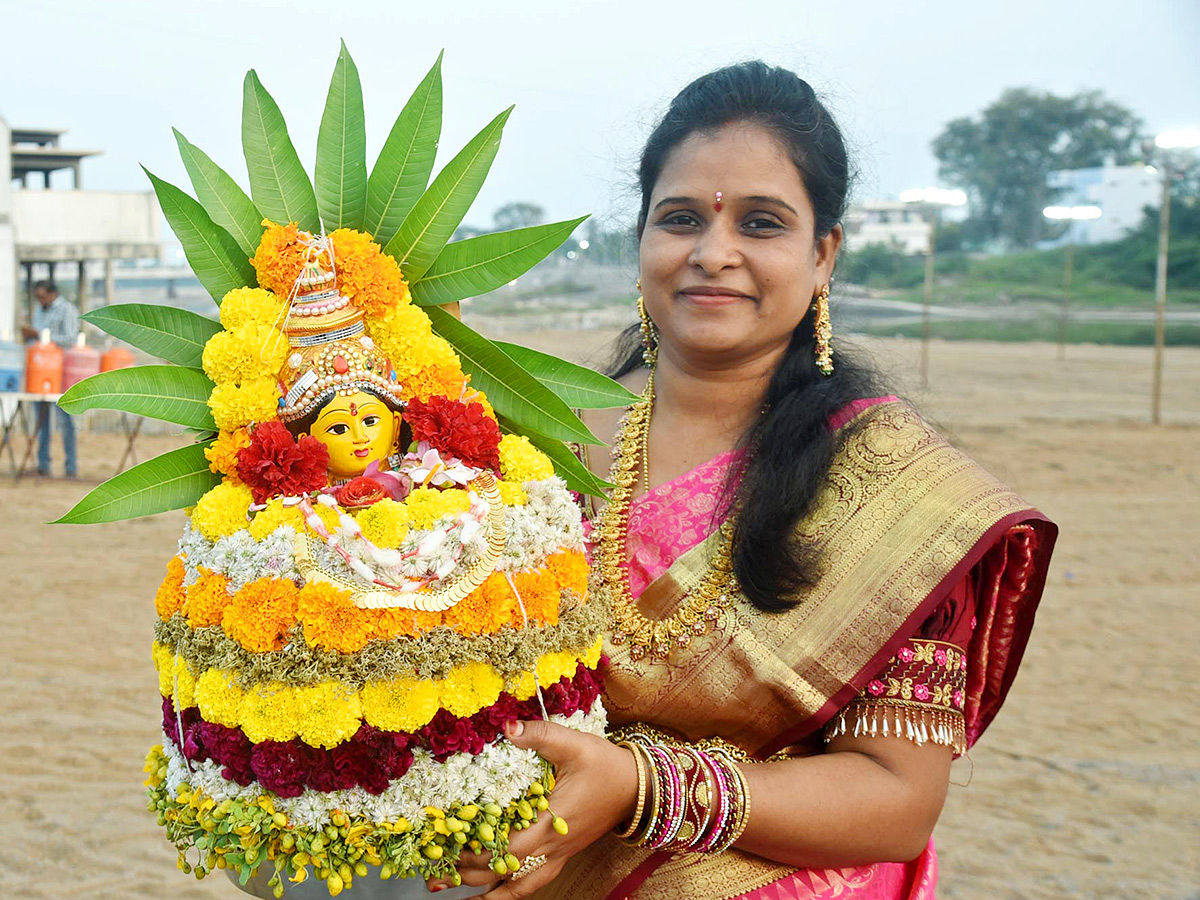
{"x":1086,"y":786}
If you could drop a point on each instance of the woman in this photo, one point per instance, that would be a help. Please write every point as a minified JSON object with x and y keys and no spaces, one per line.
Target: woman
{"x":805,"y":578}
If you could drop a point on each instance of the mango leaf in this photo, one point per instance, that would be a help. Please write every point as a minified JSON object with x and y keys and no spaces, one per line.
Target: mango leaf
{"x":510,"y":389}
{"x":432,"y":221}
{"x":215,"y":257}
{"x":576,"y":386}
{"x":176,"y":335}
{"x":341,"y":170}
{"x":278,"y":182}
{"x":224,"y":201}
{"x":481,"y":264}
{"x":171,"y":481}
{"x":171,"y":393}
{"x":402,"y":170}
{"x":566,"y":464}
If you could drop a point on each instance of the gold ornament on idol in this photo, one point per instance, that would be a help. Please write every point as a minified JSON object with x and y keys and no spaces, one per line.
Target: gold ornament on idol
{"x":824,"y":332}
{"x":703,"y":606}
{"x":649,"y":332}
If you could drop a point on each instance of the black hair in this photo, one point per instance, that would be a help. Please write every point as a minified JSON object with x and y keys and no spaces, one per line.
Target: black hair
{"x":790,"y":446}
{"x":46,"y":285}
{"x":304,"y":424}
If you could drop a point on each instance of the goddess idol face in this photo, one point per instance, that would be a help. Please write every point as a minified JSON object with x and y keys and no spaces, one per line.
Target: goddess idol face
{"x":358,"y":429}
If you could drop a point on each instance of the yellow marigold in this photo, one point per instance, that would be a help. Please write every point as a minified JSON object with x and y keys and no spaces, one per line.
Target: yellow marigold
{"x":553,"y":666}
{"x":222,"y":453}
{"x":426,"y":505}
{"x":329,"y":713}
{"x":261,"y":614}
{"x":276,"y":515}
{"x":486,"y":609}
{"x":520,"y":461}
{"x":222,"y":510}
{"x":570,"y":569}
{"x":591,"y":658}
{"x":280,"y":257}
{"x":252,"y":401}
{"x":175,"y":679}
{"x":328,"y":516}
{"x":219,"y":698}
{"x":512,"y":494}
{"x":540,"y":595}
{"x":401,"y":704}
{"x":169,"y":597}
{"x":436,"y":381}
{"x":163,"y":662}
{"x":251,"y":306}
{"x":405,"y":334}
{"x":469,"y":688}
{"x":523,"y":687}
{"x":384,"y":523}
{"x":368,"y":276}
{"x":250,"y":351}
{"x":269,"y":713}
{"x":206,"y":600}
{"x":398,"y":622}
{"x":331,"y":621}
{"x":470,"y":395}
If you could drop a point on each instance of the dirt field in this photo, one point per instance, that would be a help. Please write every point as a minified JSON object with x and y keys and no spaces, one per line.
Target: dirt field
{"x":1087,"y":786}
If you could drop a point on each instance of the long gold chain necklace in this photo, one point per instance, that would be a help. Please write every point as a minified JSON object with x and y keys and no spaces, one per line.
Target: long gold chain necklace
{"x":703,"y":605}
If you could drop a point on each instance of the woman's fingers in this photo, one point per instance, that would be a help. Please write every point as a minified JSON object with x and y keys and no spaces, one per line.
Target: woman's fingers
{"x":514,"y":888}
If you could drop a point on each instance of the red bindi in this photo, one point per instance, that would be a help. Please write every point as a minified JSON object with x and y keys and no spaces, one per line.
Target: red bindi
{"x":717,"y":204}
{"x":354,"y":409}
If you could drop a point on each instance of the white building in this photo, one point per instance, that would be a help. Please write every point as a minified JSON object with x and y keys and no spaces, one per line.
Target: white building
{"x":41,"y":228}
{"x":1121,"y":192}
{"x":887,"y":222}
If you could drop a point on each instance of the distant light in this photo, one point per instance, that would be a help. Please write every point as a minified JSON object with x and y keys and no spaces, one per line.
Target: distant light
{"x":936,"y":196}
{"x":1178,"y":139}
{"x":1072,"y":212}
{"x":571,"y":254}
{"x":1150,"y":170}
{"x":583,"y":245}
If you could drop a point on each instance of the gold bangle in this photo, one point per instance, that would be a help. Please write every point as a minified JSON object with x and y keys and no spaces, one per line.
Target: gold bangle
{"x":743,"y":819}
{"x":640,"y":806}
{"x":653,"y":799}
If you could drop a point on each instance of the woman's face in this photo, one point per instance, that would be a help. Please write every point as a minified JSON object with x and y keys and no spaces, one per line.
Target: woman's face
{"x":731,"y":284}
{"x":358,"y":429}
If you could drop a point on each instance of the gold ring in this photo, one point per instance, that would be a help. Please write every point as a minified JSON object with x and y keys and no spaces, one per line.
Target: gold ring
{"x":531,"y":864}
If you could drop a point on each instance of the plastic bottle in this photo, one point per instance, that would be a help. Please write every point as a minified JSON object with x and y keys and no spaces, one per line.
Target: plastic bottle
{"x":80,"y":362}
{"x":116,"y":358}
{"x":44,"y":366}
{"x":12,"y":365}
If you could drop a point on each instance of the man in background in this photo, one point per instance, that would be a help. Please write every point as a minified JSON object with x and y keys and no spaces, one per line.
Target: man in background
{"x":56,"y":314}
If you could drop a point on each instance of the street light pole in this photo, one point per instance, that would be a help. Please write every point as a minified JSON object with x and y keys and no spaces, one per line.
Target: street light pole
{"x":1160,"y":296}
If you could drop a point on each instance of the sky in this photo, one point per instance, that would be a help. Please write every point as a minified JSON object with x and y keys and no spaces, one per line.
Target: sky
{"x":589,"y":79}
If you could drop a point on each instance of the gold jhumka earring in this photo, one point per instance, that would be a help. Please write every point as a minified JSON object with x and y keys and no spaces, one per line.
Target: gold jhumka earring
{"x":649,"y":332}
{"x":824,"y":331}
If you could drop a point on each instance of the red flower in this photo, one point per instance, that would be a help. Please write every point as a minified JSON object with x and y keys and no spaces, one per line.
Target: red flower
{"x":457,"y":429}
{"x":447,"y":735}
{"x":276,"y":464}
{"x":361,"y":491}
{"x":281,"y":766}
{"x":229,"y":748}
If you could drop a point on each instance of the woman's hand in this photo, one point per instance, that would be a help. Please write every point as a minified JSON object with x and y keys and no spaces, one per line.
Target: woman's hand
{"x":596,"y":788}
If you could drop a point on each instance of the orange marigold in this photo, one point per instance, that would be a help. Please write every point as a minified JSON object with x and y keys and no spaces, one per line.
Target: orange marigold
{"x":222,"y":453}
{"x":261,"y":614}
{"x":540,"y":594}
{"x":368,"y":276}
{"x":279,"y":258}
{"x":486,"y":609}
{"x":436,"y":381}
{"x":570,"y":569}
{"x":169,"y":598}
{"x":397,"y":622}
{"x":206,"y":600}
{"x":331,"y":621}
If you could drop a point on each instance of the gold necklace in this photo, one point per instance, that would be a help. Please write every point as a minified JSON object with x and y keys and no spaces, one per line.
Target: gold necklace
{"x":703,"y":605}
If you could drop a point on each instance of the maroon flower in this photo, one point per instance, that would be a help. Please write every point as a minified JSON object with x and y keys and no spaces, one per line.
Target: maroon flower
{"x":276,"y":464}
{"x":446,"y":735}
{"x":355,"y":765}
{"x":322,"y":777}
{"x":456,"y":429}
{"x":229,"y":748}
{"x":281,"y":766}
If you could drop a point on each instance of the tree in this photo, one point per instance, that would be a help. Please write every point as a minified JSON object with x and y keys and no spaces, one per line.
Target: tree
{"x":1002,"y":157}
{"x":518,"y":214}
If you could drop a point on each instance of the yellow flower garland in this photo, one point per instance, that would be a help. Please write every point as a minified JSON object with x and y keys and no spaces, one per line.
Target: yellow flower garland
{"x":222,"y":510}
{"x":326,"y":714}
{"x":520,"y":461}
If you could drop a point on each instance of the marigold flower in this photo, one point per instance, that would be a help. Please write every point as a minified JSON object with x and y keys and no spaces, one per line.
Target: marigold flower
{"x":234,"y":405}
{"x":401,"y":704}
{"x":426,"y":505}
{"x":328,"y":714}
{"x":486,"y":609}
{"x":250,"y":351}
{"x":540,"y":595}
{"x":219,"y":697}
{"x":261,"y":614}
{"x":280,"y":257}
{"x":512,"y":494}
{"x":251,"y":306}
{"x":384,"y":523}
{"x":221,"y":511}
{"x":441,"y":381}
{"x":368,"y":276}
{"x":520,"y":461}
{"x":169,"y":598}
{"x":206,"y":600}
{"x":399,"y":622}
{"x":570,"y":569}
{"x":469,"y":688}
{"x":275,"y":515}
{"x":331,"y":621}
{"x":269,"y":713}
{"x":222,"y":453}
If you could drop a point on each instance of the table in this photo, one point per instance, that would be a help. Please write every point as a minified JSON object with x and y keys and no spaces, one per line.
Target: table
{"x":25,"y":402}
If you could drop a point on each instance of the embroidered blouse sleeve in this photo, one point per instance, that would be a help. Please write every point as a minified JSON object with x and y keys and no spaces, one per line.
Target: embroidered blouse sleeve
{"x":920,"y":694}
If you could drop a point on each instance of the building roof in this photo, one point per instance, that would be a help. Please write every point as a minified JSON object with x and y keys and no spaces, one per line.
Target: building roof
{"x":46,"y":159}
{"x":42,"y":136}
